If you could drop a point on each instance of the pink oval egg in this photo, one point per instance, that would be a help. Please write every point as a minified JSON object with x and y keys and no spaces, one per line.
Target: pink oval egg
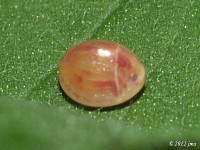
{"x":100,"y":73}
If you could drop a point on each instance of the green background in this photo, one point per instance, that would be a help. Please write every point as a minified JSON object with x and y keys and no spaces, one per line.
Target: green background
{"x":165,"y":35}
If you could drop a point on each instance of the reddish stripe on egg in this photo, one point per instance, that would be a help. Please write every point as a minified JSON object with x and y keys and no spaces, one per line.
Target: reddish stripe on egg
{"x":123,"y":61}
{"x":79,"y":79}
{"x":108,"y":84}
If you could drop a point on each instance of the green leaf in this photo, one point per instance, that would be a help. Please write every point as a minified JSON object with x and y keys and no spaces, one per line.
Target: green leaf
{"x":165,"y":35}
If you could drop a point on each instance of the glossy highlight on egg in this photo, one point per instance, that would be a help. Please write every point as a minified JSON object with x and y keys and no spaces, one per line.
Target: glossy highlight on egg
{"x":100,"y":73}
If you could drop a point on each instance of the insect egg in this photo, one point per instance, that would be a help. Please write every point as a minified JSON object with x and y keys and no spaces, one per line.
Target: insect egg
{"x":100,"y":73}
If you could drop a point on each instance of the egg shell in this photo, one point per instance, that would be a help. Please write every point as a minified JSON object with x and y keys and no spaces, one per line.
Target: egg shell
{"x":100,"y":73}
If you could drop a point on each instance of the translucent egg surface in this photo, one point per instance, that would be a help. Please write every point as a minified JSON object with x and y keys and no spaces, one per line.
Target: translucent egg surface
{"x":100,"y":73}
